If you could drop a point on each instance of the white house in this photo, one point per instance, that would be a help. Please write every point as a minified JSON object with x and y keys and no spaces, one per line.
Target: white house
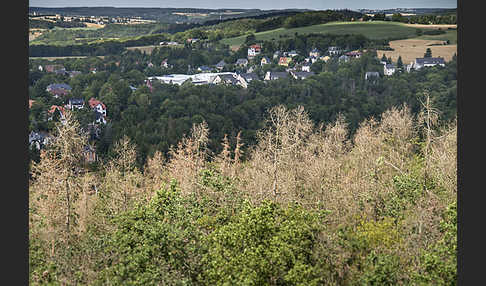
{"x":97,"y":106}
{"x":389,"y":69}
{"x":77,"y":103}
{"x":371,"y":75}
{"x":306,"y":67}
{"x":254,"y":50}
{"x":427,"y":62}
{"x":314,"y":53}
{"x":333,"y":51}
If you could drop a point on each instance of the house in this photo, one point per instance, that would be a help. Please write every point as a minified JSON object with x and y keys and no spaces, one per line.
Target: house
{"x":150,"y":65}
{"x":264,"y":61}
{"x":354,"y":54}
{"x":204,"y":69}
{"x":333,"y":51}
{"x":245,"y":78}
{"x":164,"y":64}
{"x":226,"y":79}
{"x":192,"y":41}
{"x":77,"y":103}
{"x":284,"y":61}
{"x":56,"y":110}
{"x":241,"y":62}
{"x":427,"y":62}
{"x":97,"y":106}
{"x":343,"y":58}
{"x":38,"y":139}
{"x":271,"y":75}
{"x":276,"y":55}
{"x":301,"y":74}
{"x":99,"y":118}
{"x":371,"y":75}
{"x":55,"y":68}
{"x":58,"y":89}
{"x":314,"y":53}
{"x":306,"y":67}
{"x":220,"y":65}
{"x":254,"y":50}
{"x":325,"y":58}
{"x":292,"y":54}
{"x":389,"y":69}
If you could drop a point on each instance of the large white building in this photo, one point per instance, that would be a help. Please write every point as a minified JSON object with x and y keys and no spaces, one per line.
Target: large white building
{"x":197,"y":79}
{"x":427,"y":62}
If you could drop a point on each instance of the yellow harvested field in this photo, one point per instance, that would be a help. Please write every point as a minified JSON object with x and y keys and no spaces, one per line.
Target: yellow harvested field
{"x":441,"y":26}
{"x":410,"y":49}
{"x":93,"y":25}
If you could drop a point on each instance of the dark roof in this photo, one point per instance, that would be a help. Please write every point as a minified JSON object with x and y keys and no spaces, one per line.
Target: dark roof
{"x":241,"y":61}
{"x":76,"y":101}
{"x":250,"y":76}
{"x":205,"y":68}
{"x":430,"y":61}
{"x":277,"y":75}
{"x":390,"y":66}
{"x":228,"y":78}
{"x":302,"y":74}
{"x":54,"y":86}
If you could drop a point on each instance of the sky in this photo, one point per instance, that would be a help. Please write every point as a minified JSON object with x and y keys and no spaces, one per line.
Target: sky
{"x":251,"y":4}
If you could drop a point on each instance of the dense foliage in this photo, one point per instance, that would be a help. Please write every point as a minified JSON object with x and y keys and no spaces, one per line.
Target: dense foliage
{"x":308,"y":207}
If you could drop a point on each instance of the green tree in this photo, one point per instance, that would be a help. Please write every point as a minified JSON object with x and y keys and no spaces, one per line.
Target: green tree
{"x":399,"y":62}
{"x":428,"y":53}
{"x":264,"y":245}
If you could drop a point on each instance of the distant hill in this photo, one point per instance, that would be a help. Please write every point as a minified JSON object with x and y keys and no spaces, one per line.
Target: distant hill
{"x":417,"y":11}
{"x":166,"y":15}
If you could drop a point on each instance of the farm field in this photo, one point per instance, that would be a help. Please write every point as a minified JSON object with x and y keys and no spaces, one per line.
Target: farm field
{"x":409,"y":49}
{"x":372,"y":30}
{"x":60,"y":58}
{"x":412,"y":48}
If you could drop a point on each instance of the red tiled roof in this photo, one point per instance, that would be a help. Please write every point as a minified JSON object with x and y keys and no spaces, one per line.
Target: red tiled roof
{"x":54,"y":107}
{"x":93,"y":102}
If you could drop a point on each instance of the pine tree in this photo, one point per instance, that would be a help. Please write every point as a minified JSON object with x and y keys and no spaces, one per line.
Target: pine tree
{"x":383,"y":59}
{"x":399,"y":62}
{"x":428,"y":53}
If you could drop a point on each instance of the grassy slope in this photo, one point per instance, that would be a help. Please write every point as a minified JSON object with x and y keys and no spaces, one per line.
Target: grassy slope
{"x":450,"y":35}
{"x":69,"y":36}
{"x":372,"y":30}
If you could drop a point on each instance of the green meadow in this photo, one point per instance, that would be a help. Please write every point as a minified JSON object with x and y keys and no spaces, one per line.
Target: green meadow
{"x":372,"y":30}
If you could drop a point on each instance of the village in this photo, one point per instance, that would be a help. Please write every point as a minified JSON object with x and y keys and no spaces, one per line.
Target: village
{"x":242,"y":75}
{"x":298,"y":70}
